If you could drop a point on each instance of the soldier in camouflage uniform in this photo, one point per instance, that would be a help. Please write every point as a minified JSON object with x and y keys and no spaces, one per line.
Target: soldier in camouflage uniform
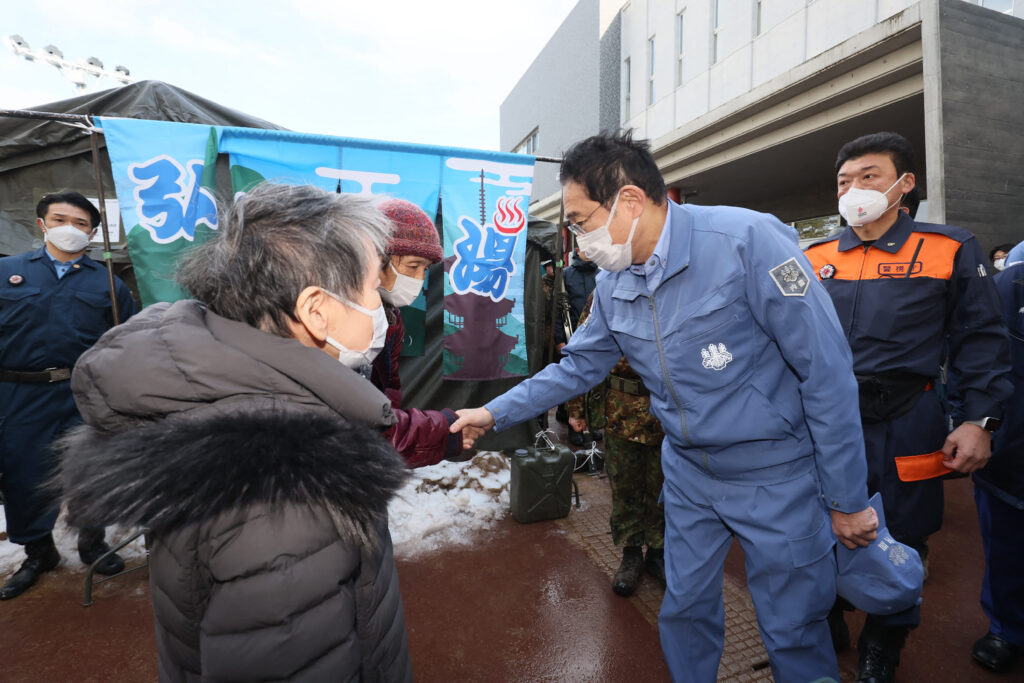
{"x":633,"y":461}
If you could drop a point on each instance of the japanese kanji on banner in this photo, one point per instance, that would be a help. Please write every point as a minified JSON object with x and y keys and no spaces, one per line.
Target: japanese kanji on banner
{"x":484,"y":204}
{"x":165,"y":186}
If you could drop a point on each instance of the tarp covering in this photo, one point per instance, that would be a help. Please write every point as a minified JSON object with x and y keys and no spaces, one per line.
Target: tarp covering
{"x":37,"y":157}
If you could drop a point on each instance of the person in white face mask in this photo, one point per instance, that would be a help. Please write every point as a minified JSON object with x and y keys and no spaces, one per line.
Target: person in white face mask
{"x":749,"y":374}
{"x":998,"y":256}
{"x":55,"y":302}
{"x":910,"y":296}
{"x":421,"y":436}
{"x":234,"y":427}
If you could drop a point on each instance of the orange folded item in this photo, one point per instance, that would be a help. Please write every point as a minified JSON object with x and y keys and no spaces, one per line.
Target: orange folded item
{"x":919,"y":467}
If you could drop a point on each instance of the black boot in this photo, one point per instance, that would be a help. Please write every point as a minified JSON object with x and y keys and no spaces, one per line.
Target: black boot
{"x":838,"y":629}
{"x":655,"y":565}
{"x":879,"y":652}
{"x":628,"y":575}
{"x":92,"y":547}
{"x":42,"y":557}
{"x":996,"y":653}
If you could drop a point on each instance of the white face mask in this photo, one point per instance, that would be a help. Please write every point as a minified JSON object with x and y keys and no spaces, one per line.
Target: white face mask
{"x":597,"y":245}
{"x":403,"y":292}
{"x":357,"y":359}
{"x":67,"y":238}
{"x":860,"y":207}
{"x":999,"y":263}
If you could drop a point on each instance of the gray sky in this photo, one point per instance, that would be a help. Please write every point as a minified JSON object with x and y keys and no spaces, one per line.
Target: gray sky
{"x":405,"y":70}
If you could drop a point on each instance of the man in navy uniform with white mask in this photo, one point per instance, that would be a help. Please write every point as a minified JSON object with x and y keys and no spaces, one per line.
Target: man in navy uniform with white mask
{"x":908,"y":295}
{"x":54,"y":304}
{"x":748,"y":371}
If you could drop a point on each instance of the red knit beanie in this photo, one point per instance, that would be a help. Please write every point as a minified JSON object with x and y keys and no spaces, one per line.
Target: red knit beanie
{"x":413,"y":232}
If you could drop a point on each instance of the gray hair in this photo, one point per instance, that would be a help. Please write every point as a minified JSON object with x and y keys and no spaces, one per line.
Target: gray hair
{"x":276,"y":241}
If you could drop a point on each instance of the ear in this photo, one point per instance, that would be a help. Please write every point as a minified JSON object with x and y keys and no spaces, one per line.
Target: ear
{"x":311,"y":309}
{"x":41,"y":224}
{"x":908,"y":183}
{"x":632,"y":199}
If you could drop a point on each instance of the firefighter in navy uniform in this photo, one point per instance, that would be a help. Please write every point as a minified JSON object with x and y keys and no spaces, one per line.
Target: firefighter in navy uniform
{"x":906,"y":293}
{"x":54,"y":304}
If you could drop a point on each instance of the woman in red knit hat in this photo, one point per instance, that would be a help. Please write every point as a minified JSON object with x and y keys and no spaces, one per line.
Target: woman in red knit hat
{"x":421,"y":436}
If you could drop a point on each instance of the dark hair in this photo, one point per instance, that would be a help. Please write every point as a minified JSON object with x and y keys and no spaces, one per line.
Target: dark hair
{"x":893,"y":144}
{"x":912,"y":200}
{"x":604,"y":163}
{"x":1001,"y":247}
{"x":74,"y":199}
{"x":277,"y":240}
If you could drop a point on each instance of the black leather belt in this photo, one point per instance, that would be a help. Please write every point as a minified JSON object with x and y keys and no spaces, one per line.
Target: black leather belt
{"x":49,"y":375}
{"x":627,"y":386}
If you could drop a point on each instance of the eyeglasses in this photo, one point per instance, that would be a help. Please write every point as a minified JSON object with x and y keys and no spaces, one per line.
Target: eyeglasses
{"x":577,"y":228}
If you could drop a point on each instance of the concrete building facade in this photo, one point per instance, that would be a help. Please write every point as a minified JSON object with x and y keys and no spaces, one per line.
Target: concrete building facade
{"x":746,"y":102}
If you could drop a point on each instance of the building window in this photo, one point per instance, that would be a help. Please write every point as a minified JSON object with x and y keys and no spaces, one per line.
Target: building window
{"x":680,"y":45}
{"x":626,"y":82}
{"x":650,"y":70}
{"x":1004,"y":6}
{"x":757,"y":17}
{"x":529,"y":145}
{"x":716,"y":29}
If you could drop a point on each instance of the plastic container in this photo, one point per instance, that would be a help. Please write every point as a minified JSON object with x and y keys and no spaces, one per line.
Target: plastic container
{"x":541,"y":486}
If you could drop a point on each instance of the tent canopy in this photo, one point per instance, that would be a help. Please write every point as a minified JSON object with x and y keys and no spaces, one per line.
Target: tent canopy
{"x":37,"y":157}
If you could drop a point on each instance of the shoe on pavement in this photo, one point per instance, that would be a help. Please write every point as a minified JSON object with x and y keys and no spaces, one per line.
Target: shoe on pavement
{"x":42,"y":557}
{"x":92,"y":547}
{"x":628,"y":575}
{"x":996,"y":653}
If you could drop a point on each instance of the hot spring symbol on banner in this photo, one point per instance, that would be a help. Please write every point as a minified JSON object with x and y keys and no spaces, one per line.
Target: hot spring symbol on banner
{"x":483,"y":328}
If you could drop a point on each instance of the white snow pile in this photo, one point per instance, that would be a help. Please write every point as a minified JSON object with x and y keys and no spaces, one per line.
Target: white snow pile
{"x":440,"y":505}
{"x":449,"y":503}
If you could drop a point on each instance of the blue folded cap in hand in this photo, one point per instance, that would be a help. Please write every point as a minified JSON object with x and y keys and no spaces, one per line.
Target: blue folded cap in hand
{"x":884,"y":577}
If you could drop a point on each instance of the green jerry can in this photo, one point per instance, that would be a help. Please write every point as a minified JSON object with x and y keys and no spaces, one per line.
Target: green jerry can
{"x":541,"y":486}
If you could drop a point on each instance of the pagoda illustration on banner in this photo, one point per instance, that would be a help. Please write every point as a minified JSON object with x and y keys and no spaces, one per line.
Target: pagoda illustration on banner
{"x":475,"y":347}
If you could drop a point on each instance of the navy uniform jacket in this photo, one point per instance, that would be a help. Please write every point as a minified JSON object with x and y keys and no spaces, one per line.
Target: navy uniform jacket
{"x":1004,"y":474}
{"x":47,"y":322}
{"x":898,"y":323}
{"x":740,"y":348}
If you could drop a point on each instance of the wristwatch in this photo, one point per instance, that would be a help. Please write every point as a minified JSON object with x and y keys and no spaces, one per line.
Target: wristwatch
{"x":990,"y":424}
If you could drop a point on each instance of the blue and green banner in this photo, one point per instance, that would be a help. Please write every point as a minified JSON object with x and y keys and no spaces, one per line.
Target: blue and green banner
{"x":165,"y":185}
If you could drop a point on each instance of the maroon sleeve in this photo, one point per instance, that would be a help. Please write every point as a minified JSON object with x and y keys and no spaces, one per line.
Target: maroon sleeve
{"x":422,"y":436}
{"x":384,"y":374}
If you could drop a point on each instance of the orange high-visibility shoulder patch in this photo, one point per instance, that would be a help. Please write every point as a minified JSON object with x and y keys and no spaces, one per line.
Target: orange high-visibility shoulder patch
{"x":934,"y":259}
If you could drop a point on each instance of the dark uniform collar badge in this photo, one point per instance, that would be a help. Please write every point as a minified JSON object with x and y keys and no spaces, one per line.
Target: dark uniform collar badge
{"x":827,"y":272}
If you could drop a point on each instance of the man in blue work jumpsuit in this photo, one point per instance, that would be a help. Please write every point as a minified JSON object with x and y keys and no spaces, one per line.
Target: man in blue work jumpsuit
{"x":716,"y":309}
{"x":907,"y":292}
{"x":999,"y":494}
{"x":54,"y":304}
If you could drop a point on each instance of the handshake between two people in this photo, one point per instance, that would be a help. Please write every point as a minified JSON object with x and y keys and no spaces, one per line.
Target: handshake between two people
{"x":473,"y":423}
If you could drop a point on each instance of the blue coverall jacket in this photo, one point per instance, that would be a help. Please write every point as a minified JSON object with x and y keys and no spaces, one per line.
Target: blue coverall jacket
{"x":752,"y":380}
{"x":45,"y":322}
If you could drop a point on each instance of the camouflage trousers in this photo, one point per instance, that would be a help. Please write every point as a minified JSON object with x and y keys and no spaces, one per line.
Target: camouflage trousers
{"x":634,"y":472}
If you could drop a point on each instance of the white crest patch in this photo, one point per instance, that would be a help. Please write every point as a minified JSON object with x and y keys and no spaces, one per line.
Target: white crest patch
{"x":898,"y":556}
{"x":715,"y":357}
{"x":790,"y":278}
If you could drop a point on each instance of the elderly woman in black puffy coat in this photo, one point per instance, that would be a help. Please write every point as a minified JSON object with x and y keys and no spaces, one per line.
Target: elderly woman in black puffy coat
{"x":228,"y":427}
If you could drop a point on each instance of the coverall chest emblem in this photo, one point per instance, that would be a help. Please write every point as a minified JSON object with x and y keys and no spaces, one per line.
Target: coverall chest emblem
{"x":715,"y":357}
{"x":790,"y":278}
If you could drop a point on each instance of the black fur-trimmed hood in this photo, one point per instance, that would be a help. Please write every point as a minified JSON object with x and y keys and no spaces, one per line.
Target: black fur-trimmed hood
{"x":188,"y":469}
